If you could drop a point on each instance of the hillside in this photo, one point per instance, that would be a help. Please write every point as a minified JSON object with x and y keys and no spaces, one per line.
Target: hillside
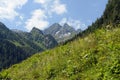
{"x":93,"y":57}
{"x":17,"y":46}
{"x":93,"y":54}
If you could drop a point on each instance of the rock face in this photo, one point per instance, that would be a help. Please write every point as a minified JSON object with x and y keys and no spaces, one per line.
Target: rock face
{"x":61,"y":33}
{"x":16,"y":45}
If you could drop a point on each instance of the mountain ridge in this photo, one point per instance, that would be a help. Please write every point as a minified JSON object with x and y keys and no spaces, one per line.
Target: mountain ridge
{"x":61,"y":33}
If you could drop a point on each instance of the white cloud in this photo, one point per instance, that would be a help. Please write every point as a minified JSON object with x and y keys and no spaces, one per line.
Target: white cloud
{"x":8,"y":8}
{"x":21,"y":17}
{"x":37,"y":20}
{"x":18,"y":23}
{"x":74,"y":23}
{"x":41,"y":1}
{"x":58,"y":8}
{"x":52,"y":6}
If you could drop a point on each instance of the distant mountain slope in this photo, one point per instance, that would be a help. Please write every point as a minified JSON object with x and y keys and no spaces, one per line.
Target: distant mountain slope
{"x":53,"y":29}
{"x":61,"y":33}
{"x":16,"y":46}
{"x":93,"y":55}
{"x":37,"y":36}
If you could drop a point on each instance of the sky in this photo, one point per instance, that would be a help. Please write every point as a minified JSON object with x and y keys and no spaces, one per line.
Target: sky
{"x":26,"y":14}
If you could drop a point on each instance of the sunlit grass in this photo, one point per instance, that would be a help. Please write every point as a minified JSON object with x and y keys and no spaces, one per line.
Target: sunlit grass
{"x":94,"y":57}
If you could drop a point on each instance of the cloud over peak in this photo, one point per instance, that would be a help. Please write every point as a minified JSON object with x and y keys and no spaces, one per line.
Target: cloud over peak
{"x":74,"y":23}
{"x":38,"y":20}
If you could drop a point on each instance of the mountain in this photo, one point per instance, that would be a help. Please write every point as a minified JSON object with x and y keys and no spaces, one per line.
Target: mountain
{"x":61,"y":33}
{"x":36,"y":31}
{"x":17,"y":31}
{"x":47,"y":40}
{"x":42,"y":40}
{"x":16,"y":45}
{"x":53,"y":29}
{"x":5,"y":32}
{"x":90,"y":56}
{"x":79,"y":31}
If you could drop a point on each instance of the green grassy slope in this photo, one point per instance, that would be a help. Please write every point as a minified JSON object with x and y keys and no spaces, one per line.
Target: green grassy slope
{"x":94,"y":57}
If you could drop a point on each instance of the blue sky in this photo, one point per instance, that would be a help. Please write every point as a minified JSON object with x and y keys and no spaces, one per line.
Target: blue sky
{"x":26,"y":14}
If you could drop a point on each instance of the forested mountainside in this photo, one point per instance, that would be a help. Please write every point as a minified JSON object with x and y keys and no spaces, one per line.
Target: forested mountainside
{"x":17,"y":46}
{"x":93,"y":55}
{"x":109,"y":19}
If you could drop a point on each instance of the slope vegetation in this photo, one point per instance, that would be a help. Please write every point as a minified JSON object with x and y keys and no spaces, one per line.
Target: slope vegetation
{"x":94,"y":57}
